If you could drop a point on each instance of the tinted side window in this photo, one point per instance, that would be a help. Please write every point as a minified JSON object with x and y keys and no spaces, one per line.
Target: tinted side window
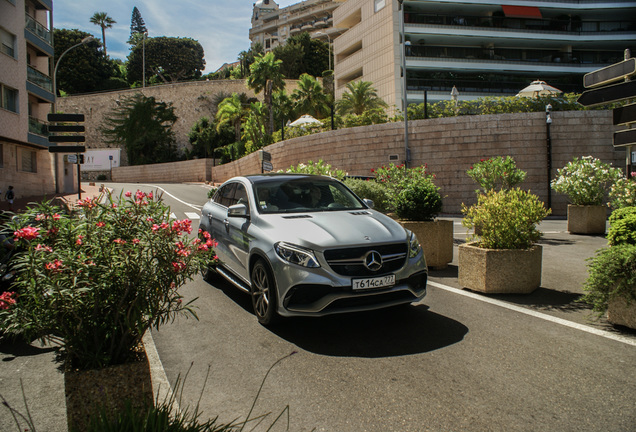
{"x":225,"y":194}
{"x":240,"y":195}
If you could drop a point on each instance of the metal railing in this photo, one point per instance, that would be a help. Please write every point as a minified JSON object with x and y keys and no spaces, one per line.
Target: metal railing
{"x":38,"y":29}
{"x":38,"y":127}
{"x":39,"y":79}
{"x":475,"y":86}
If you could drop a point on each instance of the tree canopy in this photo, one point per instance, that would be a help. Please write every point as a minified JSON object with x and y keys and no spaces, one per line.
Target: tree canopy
{"x":143,"y":127}
{"x":169,"y":59}
{"x":84,"y":68}
{"x":104,"y":21}
{"x":302,"y":54}
{"x":359,"y":97}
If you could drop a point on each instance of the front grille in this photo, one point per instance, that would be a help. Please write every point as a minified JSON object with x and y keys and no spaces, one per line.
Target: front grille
{"x":350,"y":261}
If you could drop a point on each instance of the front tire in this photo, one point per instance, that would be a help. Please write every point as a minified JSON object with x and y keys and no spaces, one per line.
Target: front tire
{"x":264,"y":297}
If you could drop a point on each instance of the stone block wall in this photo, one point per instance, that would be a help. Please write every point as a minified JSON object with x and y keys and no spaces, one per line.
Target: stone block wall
{"x":197,"y":170}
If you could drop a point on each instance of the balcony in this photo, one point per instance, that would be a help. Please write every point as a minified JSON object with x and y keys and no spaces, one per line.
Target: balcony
{"x":38,"y":127}
{"x":38,"y":29}
{"x":39,"y":79}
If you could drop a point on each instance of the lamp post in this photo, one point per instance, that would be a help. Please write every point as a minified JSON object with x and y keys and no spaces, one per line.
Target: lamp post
{"x":407,"y":151}
{"x":548,"y":122}
{"x":143,"y":60}
{"x":86,"y":40}
{"x":455,"y":97}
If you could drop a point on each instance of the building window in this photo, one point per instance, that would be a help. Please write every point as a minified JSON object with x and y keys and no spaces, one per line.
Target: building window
{"x":1,"y":156}
{"x":7,"y":43}
{"x":8,"y":98}
{"x":28,"y":160}
{"x":379,"y":4}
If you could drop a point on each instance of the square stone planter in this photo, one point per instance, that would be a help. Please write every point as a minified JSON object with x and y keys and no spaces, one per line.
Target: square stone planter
{"x":583,"y":219}
{"x":620,"y":312}
{"x":499,"y":271}
{"x":436,"y":238}
{"x":89,"y":391}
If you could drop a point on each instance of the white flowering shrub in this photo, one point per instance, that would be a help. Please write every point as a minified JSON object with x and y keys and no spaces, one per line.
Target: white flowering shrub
{"x":586,"y":180}
{"x":623,"y":192}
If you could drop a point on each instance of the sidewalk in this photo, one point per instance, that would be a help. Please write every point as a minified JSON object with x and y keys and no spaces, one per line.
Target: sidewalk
{"x":21,"y":203}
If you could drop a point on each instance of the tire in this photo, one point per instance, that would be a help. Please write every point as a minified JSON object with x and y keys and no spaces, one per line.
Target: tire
{"x":264,"y":296}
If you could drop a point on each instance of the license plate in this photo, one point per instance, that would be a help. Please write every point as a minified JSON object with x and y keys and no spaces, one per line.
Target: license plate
{"x":371,"y":283}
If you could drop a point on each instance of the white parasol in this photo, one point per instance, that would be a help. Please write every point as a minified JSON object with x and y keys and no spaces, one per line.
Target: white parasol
{"x":305,"y":120}
{"x":538,"y":88}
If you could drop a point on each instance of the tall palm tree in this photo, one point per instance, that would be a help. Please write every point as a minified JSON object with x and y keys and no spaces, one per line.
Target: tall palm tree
{"x":265,"y":75}
{"x":231,"y":111}
{"x":361,"y":96}
{"x":309,"y":97}
{"x":104,"y":21}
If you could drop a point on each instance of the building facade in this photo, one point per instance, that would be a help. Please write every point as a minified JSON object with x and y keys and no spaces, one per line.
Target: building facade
{"x":483,"y":48}
{"x":26,"y":87}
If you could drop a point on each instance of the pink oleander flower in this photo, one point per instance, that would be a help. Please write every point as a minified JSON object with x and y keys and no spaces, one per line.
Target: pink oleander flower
{"x":7,"y":299}
{"x":140,"y":195}
{"x":128,"y":194}
{"x":43,"y":248}
{"x":136,"y":241}
{"x":119,"y":241}
{"x":178,"y":266}
{"x":79,"y":240}
{"x":54,"y":265}
{"x":27,"y":233}
{"x":101,"y":224}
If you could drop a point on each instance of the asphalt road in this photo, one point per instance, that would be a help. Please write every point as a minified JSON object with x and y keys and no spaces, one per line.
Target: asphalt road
{"x":457,"y":361}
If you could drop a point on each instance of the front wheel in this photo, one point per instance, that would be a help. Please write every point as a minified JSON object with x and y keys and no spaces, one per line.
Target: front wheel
{"x":263,"y":290}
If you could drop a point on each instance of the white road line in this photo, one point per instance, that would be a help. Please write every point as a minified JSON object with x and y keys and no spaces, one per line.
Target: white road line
{"x":581,"y":327}
{"x":174,"y":197}
{"x":193,"y":216}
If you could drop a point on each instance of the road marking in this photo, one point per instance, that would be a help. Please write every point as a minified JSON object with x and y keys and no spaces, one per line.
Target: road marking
{"x":546,"y":317}
{"x":174,"y":197}
{"x":193,"y":216}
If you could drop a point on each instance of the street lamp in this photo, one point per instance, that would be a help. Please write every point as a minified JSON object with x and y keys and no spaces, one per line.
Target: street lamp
{"x":548,"y":122}
{"x":329,"y":43}
{"x":455,"y":97}
{"x":86,"y":40}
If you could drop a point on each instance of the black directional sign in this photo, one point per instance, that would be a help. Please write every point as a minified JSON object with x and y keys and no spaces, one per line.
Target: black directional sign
{"x":66,"y":138}
{"x":609,"y":94}
{"x":610,"y":74}
{"x":67,"y":128}
{"x":77,"y":118}
{"x":625,"y":115}
{"x":67,"y":149}
{"x":625,"y":138}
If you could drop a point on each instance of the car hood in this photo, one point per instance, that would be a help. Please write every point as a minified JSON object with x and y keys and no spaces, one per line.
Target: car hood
{"x":318,"y":230}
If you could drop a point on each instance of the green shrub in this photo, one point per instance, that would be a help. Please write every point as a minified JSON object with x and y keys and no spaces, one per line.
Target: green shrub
{"x":372,"y":190}
{"x":101,"y":177}
{"x":420,"y":200}
{"x":586,"y":180}
{"x":319,"y":168}
{"x":211,"y":192}
{"x":496,"y":173}
{"x":622,"y":228}
{"x":623,"y":192}
{"x":611,"y":273}
{"x":507,"y":219}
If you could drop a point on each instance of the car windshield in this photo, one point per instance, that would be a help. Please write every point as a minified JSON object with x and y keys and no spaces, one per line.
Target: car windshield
{"x":304,"y":195}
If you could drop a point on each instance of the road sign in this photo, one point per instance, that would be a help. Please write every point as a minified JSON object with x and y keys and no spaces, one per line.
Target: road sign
{"x":72,"y":158}
{"x":610,"y":74}
{"x":77,"y":118}
{"x":625,"y":115}
{"x":66,"y":138}
{"x":67,"y":128}
{"x":67,"y":149}
{"x":267,"y":166}
{"x":625,"y":138}
{"x":605,"y":95}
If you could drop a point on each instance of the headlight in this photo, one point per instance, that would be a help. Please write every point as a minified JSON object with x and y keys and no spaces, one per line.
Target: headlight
{"x":296,"y":255}
{"x":414,"y":246}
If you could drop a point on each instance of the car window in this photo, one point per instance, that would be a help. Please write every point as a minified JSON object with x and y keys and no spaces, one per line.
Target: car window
{"x":225,"y":194}
{"x":240,"y":195}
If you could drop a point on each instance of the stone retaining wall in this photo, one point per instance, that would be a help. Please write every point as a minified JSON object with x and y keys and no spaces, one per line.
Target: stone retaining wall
{"x":449,"y":147}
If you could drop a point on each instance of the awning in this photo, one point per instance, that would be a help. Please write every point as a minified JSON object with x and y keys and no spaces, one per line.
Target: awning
{"x":522,"y":12}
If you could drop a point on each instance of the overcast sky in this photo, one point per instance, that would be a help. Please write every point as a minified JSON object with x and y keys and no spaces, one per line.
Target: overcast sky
{"x":220,"y":26}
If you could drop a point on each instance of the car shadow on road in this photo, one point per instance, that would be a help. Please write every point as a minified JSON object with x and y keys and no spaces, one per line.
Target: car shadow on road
{"x":396,"y":331}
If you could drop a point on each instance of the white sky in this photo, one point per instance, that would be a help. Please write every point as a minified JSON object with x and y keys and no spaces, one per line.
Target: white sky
{"x":220,"y":26}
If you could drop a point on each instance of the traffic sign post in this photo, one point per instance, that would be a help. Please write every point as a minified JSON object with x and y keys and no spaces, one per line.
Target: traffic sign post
{"x":65,"y":129}
{"x":609,"y":94}
{"x":610,"y":74}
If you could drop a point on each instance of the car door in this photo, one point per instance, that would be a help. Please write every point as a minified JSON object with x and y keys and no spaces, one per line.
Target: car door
{"x":216,"y":219}
{"x":237,"y":234}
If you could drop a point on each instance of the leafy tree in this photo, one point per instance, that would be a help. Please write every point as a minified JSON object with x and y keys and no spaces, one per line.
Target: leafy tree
{"x":104,"y":21}
{"x":137,"y":27}
{"x":361,"y":96}
{"x":309,"y":97}
{"x":169,"y":59}
{"x":84,"y":68}
{"x":246,"y":58}
{"x":283,"y":107}
{"x":302,"y":54}
{"x":265,"y":76}
{"x":231,"y":111}
{"x":205,"y":139}
{"x":143,"y":127}
{"x":254,"y":131}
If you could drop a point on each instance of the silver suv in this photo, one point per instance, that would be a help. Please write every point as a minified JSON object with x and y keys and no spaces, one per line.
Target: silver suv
{"x":305,"y":245}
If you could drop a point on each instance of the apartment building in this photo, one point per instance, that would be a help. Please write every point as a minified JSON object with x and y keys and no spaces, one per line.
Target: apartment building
{"x":272,"y":26}
{"x":26,"y":96}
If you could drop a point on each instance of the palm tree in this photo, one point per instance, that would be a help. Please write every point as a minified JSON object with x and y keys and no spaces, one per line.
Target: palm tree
{"x":104,"y":21}
{"x":361,"y":96}
{"x":309,"y":97}
{"x":231,"y":111}
{"x":265,"y":75}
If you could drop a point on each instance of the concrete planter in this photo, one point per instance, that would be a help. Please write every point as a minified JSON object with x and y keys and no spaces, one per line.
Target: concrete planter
{"x":436,"y":238}
{"x":583,"y":219}
{"x":620,"y":312}
{"x":88,"y":391}
{"x":499,"y":271}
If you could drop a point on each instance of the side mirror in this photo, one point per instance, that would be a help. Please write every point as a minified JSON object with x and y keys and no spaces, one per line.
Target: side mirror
{"x":238,"y":210}
{"x":368,"y":202}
